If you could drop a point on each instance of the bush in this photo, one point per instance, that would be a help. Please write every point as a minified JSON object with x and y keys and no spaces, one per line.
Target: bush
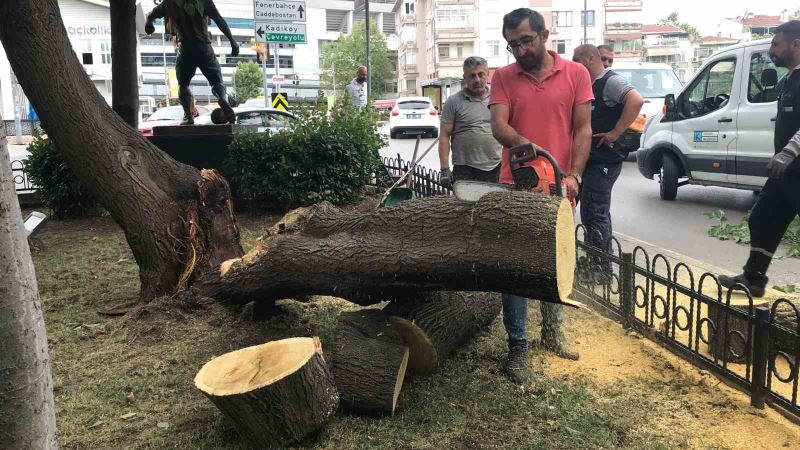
{"x":55,"y":182}
{"x":317,"y":158}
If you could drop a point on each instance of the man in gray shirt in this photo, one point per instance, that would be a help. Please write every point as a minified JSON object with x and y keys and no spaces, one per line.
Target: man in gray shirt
{"x":466,"y":129}
{"x":358,"y":88}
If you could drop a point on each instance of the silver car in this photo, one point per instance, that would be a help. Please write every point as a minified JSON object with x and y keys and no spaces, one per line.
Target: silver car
{"x":266,"y":119}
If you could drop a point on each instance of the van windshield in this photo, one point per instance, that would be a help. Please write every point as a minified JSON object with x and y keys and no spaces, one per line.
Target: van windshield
{"x":652,"y":83}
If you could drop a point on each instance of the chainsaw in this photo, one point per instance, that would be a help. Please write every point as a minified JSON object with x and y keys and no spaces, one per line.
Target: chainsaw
{"x":533,"y":170}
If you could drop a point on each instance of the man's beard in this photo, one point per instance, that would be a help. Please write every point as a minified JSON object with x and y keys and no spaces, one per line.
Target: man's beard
{"x":530,"y":61}
{"x":778,"y":60}
{"x":477,"y":91}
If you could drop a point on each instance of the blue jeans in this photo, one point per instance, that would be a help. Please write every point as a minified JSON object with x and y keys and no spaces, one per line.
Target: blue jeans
{"x":515,"y":318}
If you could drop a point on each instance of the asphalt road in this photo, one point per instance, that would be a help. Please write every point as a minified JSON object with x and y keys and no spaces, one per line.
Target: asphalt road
{"x":679,"y":226}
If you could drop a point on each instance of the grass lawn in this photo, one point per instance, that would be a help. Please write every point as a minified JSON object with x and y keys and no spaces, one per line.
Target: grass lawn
{"x":106,"y":368}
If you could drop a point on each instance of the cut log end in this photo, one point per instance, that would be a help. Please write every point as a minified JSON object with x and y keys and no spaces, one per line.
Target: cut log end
{"x":254,"y":367}
{"x":424,"y":357}
{"x":565,"y":250}
{"x":401,"y":376}
{"x":225,"y":267}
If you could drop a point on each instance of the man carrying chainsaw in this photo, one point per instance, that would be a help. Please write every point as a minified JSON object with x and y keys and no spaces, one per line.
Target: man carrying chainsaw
{"x":615,"y":107}
{"x":466,"y":121}
{"x":544,"y":100}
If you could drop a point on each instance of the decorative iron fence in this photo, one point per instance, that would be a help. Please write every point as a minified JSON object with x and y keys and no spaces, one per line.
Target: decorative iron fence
{"x":27,"y":127}
{"x":424,"y":183}
{"x":744,"y":341}
{"x":22,"y":184}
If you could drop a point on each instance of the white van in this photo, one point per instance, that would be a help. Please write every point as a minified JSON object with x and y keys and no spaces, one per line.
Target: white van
{"x":719,"y":130}
{"x":653,"y":80}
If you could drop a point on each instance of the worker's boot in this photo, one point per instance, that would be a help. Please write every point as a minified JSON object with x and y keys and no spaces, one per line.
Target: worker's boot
{"x":518,"y":367}
{"x":552,"y":336}
{"x":755,"y":283}
{"x":186,"y":99}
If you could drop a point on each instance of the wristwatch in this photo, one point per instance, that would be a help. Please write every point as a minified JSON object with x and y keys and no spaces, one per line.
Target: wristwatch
{"x":577,"y":178}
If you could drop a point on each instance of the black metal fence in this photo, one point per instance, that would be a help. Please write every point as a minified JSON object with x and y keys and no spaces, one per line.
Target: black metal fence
{"x":424,"y":183}
{"x":749,"y":343}
{"x":27,"y":127}
{"x":22,"y":184}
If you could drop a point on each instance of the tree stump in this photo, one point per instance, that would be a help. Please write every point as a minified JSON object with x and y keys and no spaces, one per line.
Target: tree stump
{"x":736,"y":349}
{"x":434,"y":324}
{"x":369,"y":362}
{"x":275,"y":393}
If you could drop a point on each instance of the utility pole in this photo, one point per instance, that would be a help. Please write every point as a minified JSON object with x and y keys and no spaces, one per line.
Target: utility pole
{"x":164,"y":56}
{"x":585,"y":22}
{"x":369,"y":70}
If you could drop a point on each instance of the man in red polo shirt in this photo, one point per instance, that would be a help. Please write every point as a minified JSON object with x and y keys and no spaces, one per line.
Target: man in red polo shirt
{"x":545,"y":100}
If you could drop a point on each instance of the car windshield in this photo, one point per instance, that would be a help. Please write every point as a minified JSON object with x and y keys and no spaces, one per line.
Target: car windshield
{"x":169,"y":113}
{"x":652,"y":83}
{"x":414,"y":104}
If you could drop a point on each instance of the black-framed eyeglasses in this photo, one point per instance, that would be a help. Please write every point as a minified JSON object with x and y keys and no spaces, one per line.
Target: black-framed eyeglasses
{"x":524,"y":43}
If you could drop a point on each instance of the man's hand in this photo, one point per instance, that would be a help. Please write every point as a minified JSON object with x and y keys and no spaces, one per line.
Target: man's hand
{"x":234,"y":49}
{"x":149,"y":28}
{"x":446,"y":178}
{"x":572,"y":187}
{"x":607,"y":139}
{"x":780,"y":162}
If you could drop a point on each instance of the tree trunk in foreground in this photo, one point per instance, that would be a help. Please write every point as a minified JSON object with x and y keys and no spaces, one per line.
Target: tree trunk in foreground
{"x":369,"y":362}
{"x":27,"y":417}
{"x":124,"y":73}
{"x":275,"y":393}
{"x":517,"y":242}
{"x":434,"y":324}
{"x":177,"y":221}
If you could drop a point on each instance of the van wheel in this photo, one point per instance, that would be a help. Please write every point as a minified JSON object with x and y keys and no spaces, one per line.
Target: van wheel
{"x":668,"y":179}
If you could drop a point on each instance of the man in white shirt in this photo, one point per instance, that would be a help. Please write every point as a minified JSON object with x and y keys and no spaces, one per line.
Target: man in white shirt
{"x":358,"y":88}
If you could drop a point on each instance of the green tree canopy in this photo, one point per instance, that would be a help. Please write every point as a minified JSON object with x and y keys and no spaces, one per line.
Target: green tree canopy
{"x":249,"y":80}
{"x":343,"y":56}
{"x":673,"y":19}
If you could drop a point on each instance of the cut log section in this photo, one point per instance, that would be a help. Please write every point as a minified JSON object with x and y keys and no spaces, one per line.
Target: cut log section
{"x":275,"y":393}
{"x":521,"y":243}
{"x":369,"y":362}
{"x":434,"y":324}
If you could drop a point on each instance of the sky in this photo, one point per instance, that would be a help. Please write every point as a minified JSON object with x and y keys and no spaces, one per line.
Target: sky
{"x":706,"y":14}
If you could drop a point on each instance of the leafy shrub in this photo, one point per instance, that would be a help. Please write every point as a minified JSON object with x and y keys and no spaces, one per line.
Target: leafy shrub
{"x":740,"y":232}
{"x":319,"y":157}
{"x":55,"y":182}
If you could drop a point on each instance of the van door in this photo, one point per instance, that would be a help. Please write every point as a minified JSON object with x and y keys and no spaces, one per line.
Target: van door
{"x":757,"y":111}
{"x":706,"y":130}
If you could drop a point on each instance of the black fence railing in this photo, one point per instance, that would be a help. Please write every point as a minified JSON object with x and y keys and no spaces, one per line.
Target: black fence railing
{"x":424,"y":183}
{"x":749,"y":343}
{"x":22,"y":183}
{"x":27,"y":127}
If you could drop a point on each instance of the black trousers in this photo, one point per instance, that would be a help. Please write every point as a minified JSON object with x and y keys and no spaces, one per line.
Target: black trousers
{"x":470,"y":173}
{"x":193,"y":55}
{"x":595,"y":202}
{"x":776,"y":207}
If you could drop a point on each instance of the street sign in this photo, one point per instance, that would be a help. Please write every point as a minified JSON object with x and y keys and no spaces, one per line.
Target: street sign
{"x":280,"y":10}
{"x":278,"y":79}
{"x":279,"y":101}
{"x":288,"y":33}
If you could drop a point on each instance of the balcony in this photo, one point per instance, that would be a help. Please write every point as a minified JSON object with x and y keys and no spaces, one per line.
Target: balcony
{"x":455,"y":2}
{"x":456,"y":34}
{"x":406,"y":19}
{"x":624,"y":5}
{"x":626,"y":27}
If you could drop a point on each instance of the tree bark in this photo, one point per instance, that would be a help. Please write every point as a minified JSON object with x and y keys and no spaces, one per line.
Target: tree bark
{"x":153,"y":198}
{"x":275,"y":394}
{"x":515,"y":242}
{"x":434,"y":324}
{"x":124,"y":74}
{"x":369,"y":362}
{"x":27,"y":417}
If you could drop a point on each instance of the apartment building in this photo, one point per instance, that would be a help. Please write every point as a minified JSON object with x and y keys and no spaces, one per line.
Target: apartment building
{"x":623,"y":29}
{"x":671,"y":45}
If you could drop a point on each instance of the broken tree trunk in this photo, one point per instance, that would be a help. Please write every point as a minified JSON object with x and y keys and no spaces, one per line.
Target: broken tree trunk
{"x":275,"y":393}
{"x":516,"y":242}
{"x":434,"y":324}
{"x":369,"y":362}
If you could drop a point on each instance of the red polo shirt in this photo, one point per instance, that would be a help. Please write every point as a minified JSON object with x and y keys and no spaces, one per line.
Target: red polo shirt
{"x":541,"y":110}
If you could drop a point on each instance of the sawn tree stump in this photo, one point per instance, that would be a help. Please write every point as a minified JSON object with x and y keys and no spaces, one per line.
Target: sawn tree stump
{"x":275,"y":393}
{"x":369,"y":362}
{"x":434,"y":324}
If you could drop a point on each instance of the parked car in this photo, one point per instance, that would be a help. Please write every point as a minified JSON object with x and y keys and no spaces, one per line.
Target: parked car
{"x":414,"y":115}
{"x":718,"y":130}
{"x":171,"y":115}
{"x":653,"y":80}
{"x":265,"y":118}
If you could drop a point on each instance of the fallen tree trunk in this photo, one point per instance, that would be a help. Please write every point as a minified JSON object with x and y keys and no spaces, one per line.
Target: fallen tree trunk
{"x":434,"y":324}
{"x":275,"y":394}
{"x":369,"y":362}
{"x":516,"y":242}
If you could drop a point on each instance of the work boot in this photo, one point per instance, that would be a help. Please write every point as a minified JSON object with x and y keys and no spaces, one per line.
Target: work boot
{"x":518,"y":368}
{"x":755,"y":287}
{"x":187,"y":120}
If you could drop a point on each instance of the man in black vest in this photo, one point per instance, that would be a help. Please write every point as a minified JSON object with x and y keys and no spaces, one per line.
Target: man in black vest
{"x":616,"y":105}
{"x":779,"y":201}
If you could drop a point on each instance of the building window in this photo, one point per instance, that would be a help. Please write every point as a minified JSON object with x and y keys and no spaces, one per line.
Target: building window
{"x":411,"y":57}
{"x":460,"y":50}
{"x":411,"y":85}
{"x":444,"y":50}
{"x":560,"y":46}
{"x":562,"y":18}
{"x":390,"y":87}
{"x":494,"y":48}
{"x":409,"y":7}
{"x":588,"y":18}
{"x":454,"y":17}
{"x":105,"y":52}
{"x":86,"y":52}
